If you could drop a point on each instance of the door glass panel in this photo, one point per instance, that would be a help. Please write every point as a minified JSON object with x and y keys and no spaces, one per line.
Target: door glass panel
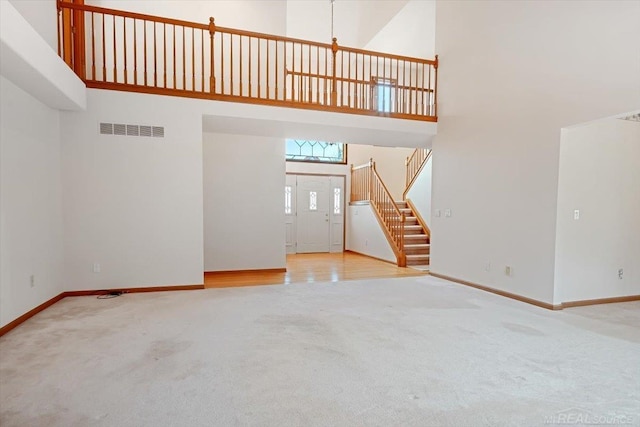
{"x":336,"y":200}
{"x":313,"y":201}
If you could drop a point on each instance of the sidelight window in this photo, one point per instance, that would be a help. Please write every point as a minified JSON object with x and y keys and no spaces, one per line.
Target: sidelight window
{"x":287,"y":200}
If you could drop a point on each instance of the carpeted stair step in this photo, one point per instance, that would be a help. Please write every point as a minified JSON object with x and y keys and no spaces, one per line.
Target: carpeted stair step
{"x":417,"y":259}
{"x":411,"y":220}
{"x":413,"y":229}
{"x":417,"y":249}
{"x":410,"y":239}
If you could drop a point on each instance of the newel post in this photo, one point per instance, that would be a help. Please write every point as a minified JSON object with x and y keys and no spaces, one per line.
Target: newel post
{"x":334,"y":83}
{"x":212,"y":33}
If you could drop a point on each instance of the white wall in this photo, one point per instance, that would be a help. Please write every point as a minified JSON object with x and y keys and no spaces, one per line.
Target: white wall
{"x":42,"y":15}
{"x":418,"y":19}
{"x":318,"y":169}
{"x":355,"y":22}
{"x":511,"y":75}
{"x":31,"y":64}
{"x":133,"y":204}
{"x":390,"y":164}
{"x":420,"y":192}
{"x":244,"y":178}
{"x":600,"y":177}
{"x":30,"y":203}
{"x":364,"y":234}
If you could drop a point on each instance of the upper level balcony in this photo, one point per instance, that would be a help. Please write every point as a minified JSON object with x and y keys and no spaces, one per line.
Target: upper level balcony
{"x":119,"y":50}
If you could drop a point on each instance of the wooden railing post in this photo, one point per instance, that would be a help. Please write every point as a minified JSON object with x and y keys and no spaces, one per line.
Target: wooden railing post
{"x":212,"y":33}
{"x":406,"y":165}
{"x":372,"y":168}
{"x":402,"y":222}
{"x":334,"y":81}
{"x":353,"y":185}
{"x":435,"y":89}
{"x":79,"y":44}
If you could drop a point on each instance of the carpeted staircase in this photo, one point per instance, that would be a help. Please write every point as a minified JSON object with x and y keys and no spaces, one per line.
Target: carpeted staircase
{"x":416,"y":239}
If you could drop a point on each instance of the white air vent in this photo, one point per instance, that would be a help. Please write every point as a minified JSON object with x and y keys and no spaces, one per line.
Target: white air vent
{"x":131,"y":130}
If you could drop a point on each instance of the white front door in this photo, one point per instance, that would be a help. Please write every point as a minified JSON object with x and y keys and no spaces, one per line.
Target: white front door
{"x":290,"y":210}
{"x":314,"y":204}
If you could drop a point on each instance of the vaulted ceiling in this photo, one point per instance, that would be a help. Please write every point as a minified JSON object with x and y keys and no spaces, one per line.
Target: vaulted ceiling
{"x":355,"y":22}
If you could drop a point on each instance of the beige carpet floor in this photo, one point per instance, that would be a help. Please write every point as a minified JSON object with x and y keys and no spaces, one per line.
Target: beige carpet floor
{"x":390,"y":352}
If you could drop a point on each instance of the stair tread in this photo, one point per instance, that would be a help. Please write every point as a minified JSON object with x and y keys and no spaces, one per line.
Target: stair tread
{"x":418,"y":256}
{"x":417,"y":245}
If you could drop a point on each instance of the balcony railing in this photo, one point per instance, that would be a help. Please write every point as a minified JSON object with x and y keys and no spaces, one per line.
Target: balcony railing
{"x":113,"y":49}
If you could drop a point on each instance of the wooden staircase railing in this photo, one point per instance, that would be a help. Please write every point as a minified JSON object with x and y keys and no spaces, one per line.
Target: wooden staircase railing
{"x":118,"y":50}
{"x":366,"y":185}
{"x":414,"y":165}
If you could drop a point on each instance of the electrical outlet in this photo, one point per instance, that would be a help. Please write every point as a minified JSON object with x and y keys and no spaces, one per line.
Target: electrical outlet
{"x":507,"y":270}
{"x":620,"y":273}
{"x":32,"y":281}
{"x":96,"y":267}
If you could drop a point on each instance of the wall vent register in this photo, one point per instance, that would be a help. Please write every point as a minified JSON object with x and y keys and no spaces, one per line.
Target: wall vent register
{"x":121,"y":129}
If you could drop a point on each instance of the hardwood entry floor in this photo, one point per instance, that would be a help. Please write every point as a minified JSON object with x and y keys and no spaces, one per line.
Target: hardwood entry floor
{"x":309,"y":268}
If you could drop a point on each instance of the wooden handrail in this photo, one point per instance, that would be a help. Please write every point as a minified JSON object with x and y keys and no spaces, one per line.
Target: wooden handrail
{"x":130,"y":51}
{"x":366,"y":165}
{"x":389,"y":55}
{"x":367,"y":185}
{"x":132,"y":15}
{"x":414,"y":165}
